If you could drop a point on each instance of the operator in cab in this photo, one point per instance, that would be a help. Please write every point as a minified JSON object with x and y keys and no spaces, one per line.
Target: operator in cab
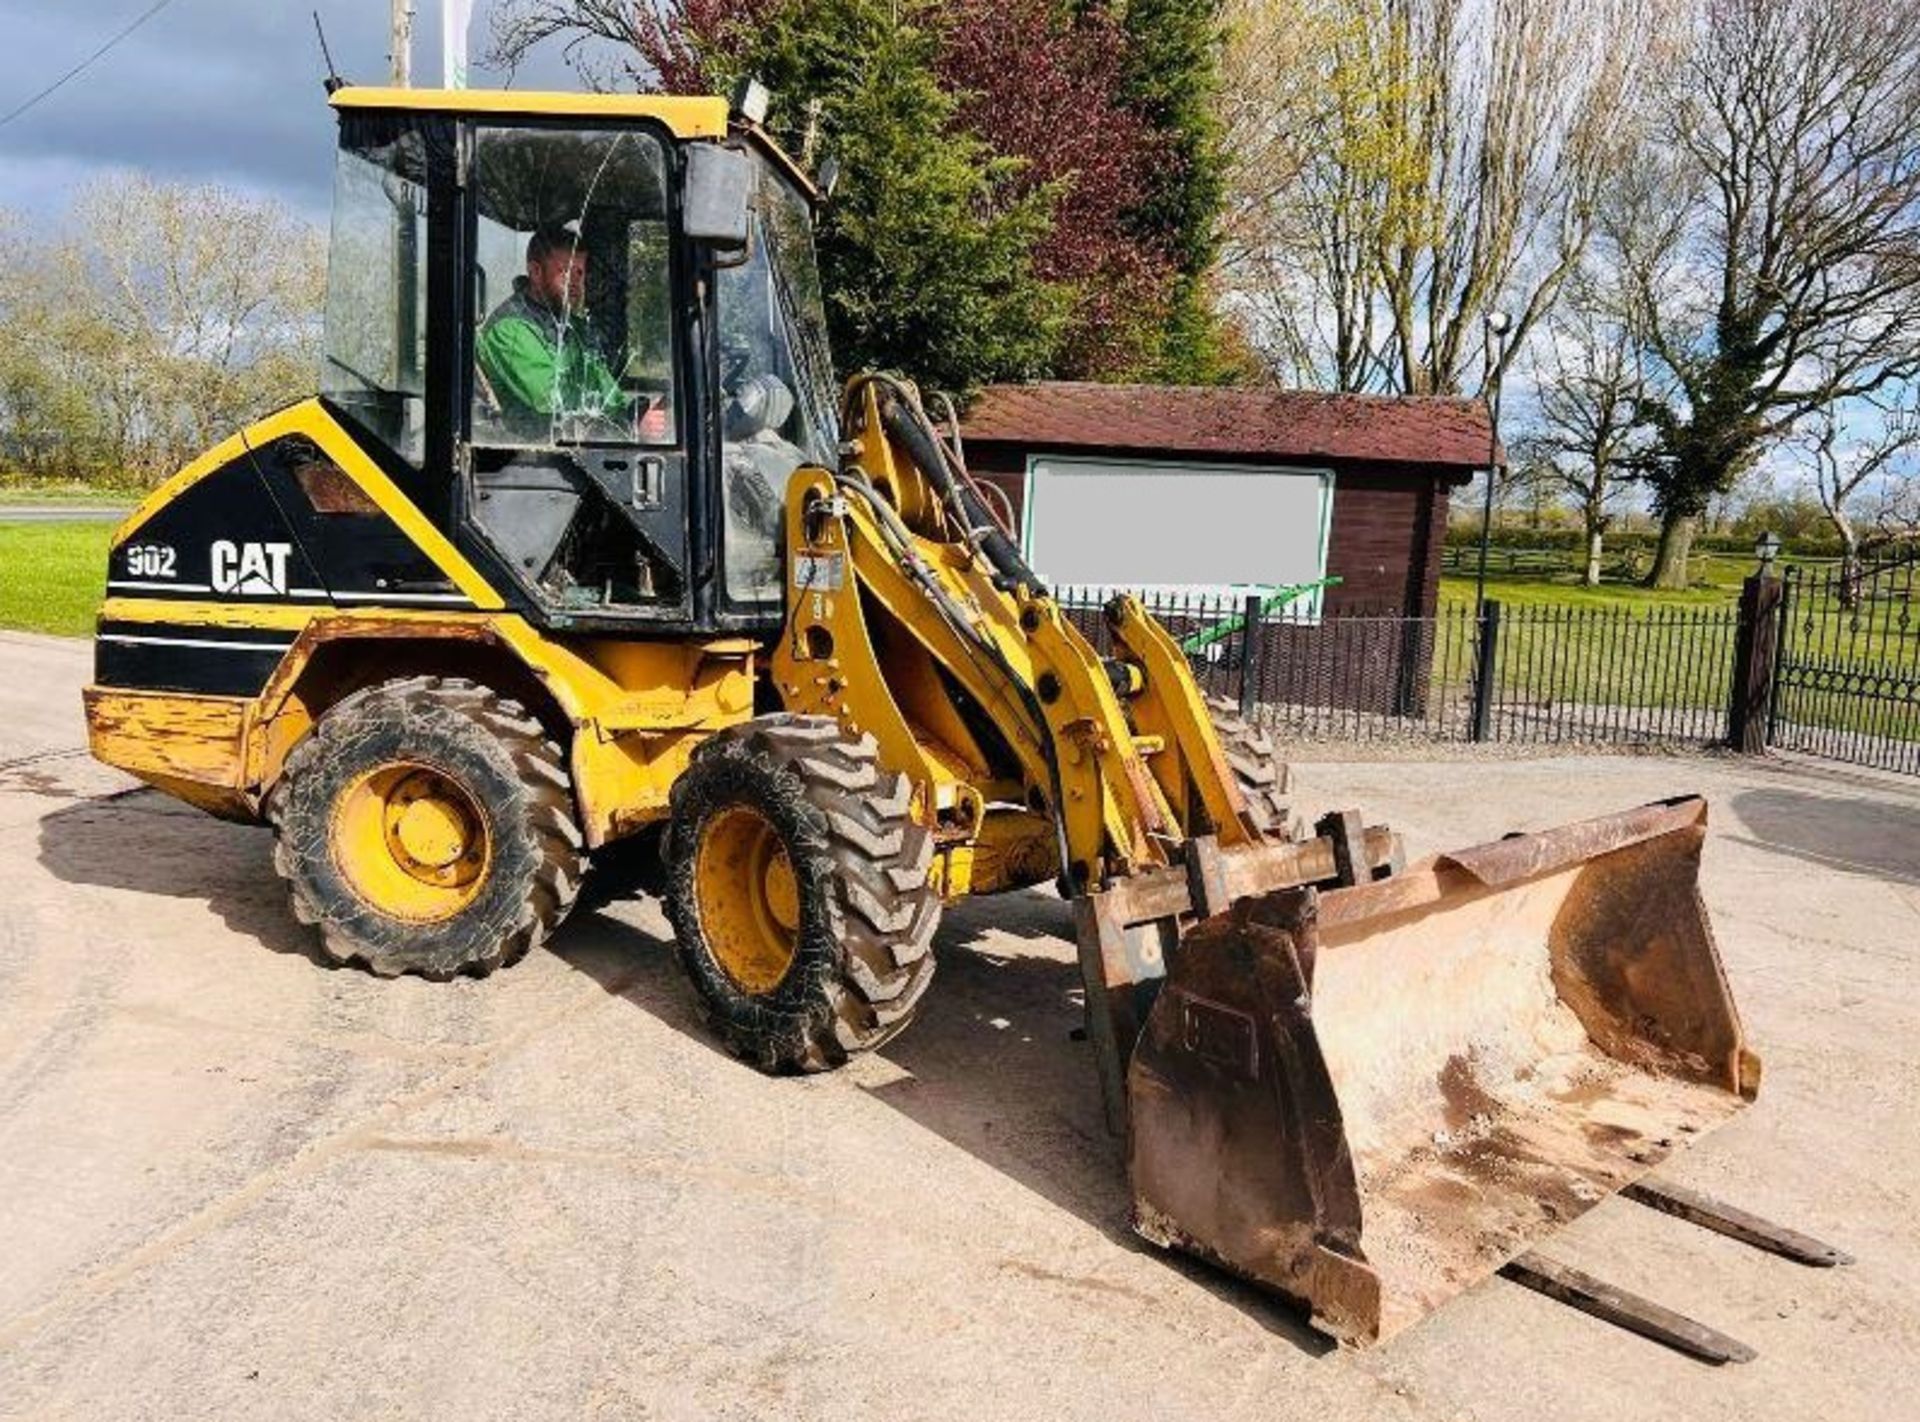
{"x":537,"y":356}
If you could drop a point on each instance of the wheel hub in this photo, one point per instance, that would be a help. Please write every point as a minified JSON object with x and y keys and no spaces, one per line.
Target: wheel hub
{"x":749,"y":898}
{"x":412,"y":841}
{"x":430,"y":831}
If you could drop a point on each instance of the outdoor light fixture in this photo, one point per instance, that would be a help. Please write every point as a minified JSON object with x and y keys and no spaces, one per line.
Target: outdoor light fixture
{"x":1499,"y":323}
{"x":751,"y":100}
{"x":1766,"y":548}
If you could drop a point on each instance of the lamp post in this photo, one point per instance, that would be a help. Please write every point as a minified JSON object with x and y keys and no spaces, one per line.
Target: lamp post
{"x":1766,"y":548}
{"x":1498,"y":324}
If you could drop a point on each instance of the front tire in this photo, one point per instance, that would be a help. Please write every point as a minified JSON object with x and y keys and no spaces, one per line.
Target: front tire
{"x":797,"y":886}
{"x":426,"y":826}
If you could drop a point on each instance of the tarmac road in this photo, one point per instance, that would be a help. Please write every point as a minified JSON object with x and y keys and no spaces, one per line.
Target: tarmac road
{"x":63,"y":513}
{"x":240,"y":1184}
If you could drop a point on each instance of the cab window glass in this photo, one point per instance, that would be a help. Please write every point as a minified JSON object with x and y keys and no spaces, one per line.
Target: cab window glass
{"x":776,"y":381}
{"x":573,"y":310}
{"x":375,"y":361}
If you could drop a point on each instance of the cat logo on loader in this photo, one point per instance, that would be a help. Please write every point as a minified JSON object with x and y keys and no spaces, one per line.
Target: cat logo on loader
{"x":249,"y":569}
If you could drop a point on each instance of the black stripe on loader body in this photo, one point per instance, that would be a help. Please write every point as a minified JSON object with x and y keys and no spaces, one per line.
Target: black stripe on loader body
{"x":174,"y":656}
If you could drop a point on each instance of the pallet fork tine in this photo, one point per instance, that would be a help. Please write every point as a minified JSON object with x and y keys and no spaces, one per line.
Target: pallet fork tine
{"x":1735,"y":1223}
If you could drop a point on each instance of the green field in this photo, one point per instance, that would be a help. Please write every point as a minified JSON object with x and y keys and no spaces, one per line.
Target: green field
{"x":1717,"y":584}
{"x":52,"y":575}
{"x":1623,"y":646}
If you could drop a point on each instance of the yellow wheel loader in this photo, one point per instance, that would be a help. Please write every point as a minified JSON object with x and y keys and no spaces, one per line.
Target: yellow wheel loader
{"x":581,"y":547}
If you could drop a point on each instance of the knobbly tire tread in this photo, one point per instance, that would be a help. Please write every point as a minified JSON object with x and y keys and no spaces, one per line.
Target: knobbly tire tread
{"x":867,"y":909}
{"x":539,"y":856}
{"x":1263,"y":778}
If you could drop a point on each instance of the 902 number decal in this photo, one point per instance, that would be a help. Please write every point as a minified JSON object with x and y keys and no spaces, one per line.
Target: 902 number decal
{"x":150,"y":560}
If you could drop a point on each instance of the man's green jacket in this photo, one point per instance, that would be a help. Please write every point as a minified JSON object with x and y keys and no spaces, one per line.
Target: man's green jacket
{"x":542,"y":365}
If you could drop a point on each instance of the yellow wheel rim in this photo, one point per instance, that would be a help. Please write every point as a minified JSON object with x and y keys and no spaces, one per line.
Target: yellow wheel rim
{"x":411,"y":841}
{"x":748,"y":898}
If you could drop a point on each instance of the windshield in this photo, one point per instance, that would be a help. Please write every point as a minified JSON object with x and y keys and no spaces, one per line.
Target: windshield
{"x":574,"y":339}
{"x":776,"y":377}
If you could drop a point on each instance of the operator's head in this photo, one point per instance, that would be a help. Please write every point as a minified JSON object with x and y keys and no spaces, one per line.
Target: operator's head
{"x":557,"y":268}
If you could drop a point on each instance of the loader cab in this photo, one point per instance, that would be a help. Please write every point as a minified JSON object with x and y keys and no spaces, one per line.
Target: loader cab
{"x":544,"y":320}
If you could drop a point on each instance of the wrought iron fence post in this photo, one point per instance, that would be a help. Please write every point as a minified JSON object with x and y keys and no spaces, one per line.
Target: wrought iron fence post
{"x":1251,"y":637}
{"x":1483,"y":669}
{"x":1755,"y":644}
{"x":1782,"y":619}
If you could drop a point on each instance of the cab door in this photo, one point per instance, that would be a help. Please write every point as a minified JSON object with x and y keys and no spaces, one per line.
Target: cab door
{"x":575,"y":450}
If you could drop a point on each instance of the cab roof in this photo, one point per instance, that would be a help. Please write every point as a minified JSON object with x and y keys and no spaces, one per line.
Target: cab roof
{"x":682,"y":116}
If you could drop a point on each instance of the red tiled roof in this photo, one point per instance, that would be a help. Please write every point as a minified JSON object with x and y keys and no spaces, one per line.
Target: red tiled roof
{"x":1194,"y":419}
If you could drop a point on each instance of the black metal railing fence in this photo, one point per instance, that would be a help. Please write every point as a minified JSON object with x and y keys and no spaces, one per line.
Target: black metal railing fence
{"x":1528,"y":673}
{"x":1846,"y":676}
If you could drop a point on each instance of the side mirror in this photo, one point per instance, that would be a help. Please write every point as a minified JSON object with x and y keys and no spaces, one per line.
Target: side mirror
{"x":719,"y":190}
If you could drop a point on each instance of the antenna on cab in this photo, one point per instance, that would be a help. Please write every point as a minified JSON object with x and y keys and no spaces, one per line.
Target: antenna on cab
{"x":333,"y":82}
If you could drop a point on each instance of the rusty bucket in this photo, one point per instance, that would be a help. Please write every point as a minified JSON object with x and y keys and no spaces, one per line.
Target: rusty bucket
{"x":1370,"y":1098}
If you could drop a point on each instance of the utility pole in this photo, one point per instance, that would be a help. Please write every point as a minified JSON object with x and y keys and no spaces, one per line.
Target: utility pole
{"x":401,"y":42}
{"x":406,"y":236}
{"x":1498,"y":324}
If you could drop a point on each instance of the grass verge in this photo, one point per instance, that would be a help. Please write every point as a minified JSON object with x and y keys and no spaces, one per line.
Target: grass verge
{"x":56,"y":492}
{"x":52,"y":575}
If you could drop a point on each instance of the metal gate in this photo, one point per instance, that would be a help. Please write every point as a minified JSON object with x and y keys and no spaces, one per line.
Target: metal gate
{"x":1846,"y":681}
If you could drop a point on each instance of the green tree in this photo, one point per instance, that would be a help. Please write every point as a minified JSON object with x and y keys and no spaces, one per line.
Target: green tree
{"x":1172,"y":80}
{"x":926,"y":249}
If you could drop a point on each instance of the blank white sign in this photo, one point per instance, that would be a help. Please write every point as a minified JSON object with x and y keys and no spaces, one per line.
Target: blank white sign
{"x":1110,"y":523}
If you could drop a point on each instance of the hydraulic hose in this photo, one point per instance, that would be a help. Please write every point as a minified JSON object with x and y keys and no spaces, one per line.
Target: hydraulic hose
{"x":908,"y":426}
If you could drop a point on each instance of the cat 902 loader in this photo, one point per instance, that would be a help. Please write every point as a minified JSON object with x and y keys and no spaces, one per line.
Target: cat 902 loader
{"x":581,"y":544}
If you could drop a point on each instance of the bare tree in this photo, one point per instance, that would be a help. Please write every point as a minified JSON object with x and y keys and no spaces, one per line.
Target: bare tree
{"x":1842,"y":468}
{"x":1451,"y":165}
{"x":1772,"y":241}
{"x":205,"y":304}
{"x":1897,"y":519}
{"x":159,"y":319}
{"x":630,"y":44}
{"x":1591,"y":382}
{"x":600,"y":38}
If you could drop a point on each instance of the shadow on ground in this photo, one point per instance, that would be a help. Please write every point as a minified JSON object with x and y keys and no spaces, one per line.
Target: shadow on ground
{"x":1859,"y":834}
{"x":143,"y":842}
{"x":993,"y":1062}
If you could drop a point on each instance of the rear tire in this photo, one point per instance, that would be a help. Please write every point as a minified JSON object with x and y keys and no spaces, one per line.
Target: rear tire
{"x":427,"y":826}
{"x":797,"y":886}
{"x":1263,"y":778}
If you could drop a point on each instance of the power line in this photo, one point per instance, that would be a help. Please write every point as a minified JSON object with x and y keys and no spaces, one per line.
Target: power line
{"x":85,"y":64}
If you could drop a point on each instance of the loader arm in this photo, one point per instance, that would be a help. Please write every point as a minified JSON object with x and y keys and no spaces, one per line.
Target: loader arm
{"x":894,"y":613}
{"x":1363,"y":1088}
{"x":905,"y":621}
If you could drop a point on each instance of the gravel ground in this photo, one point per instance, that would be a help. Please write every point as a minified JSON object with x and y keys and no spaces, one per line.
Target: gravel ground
{"x":241,"y":1184}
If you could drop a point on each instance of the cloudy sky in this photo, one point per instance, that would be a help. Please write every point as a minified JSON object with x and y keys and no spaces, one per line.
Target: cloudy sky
{"x":207,"y":90}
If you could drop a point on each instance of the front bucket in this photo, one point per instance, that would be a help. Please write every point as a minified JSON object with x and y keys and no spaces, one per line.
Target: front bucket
{"x":1371,"y":1098}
